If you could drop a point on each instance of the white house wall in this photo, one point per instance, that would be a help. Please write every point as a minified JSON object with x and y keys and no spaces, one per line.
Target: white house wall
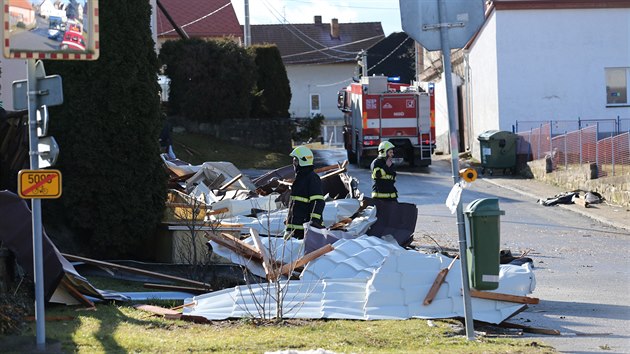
{"x":540,"y":65}
{"x":551,"y":63}
{"x":441,"y":112}
{"x":484,"y":88}
{"x":324,"y":80}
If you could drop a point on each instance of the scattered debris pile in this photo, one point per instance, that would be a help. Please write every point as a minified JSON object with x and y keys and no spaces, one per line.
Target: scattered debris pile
{"x":358,"y":267}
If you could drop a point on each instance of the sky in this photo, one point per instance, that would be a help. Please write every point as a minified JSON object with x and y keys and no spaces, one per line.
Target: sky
{"x":302,"y":11}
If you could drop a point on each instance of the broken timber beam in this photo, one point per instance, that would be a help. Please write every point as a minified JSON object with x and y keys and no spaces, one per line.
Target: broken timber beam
{"x":270,"y":272}
{"x":288,"y":268}
{"x":134,"y":270}
{"x":439,"y":279}
{"x":334,"y":173}
{"x":161,"y":311}
{"x":186,"y":289}
{"x":231,"y":182}
{"x":503,"y":297}
{"x":326,"y":168}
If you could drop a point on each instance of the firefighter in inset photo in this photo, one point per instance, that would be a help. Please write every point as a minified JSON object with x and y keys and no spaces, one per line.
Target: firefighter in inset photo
{"x":307,"y":199}
{"x":383,"y":173}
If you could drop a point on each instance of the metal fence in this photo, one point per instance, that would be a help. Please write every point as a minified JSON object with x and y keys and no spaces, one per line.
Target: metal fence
{"x":606,"y":144}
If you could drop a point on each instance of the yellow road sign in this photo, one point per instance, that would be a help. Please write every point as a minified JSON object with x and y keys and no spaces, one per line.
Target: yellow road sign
{"x":39,"y":184}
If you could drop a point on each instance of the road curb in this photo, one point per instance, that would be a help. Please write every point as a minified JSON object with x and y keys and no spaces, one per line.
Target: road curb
{"x":571,"y":207}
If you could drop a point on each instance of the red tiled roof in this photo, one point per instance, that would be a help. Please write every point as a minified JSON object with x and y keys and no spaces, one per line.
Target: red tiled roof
{"x":199,"y":18}
{"x":23,"y":4}
{"x":313,"y":43}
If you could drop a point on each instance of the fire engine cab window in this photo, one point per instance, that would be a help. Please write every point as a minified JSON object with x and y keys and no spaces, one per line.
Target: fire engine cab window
{"x":315,"y":103}
{"x":617,"y":86}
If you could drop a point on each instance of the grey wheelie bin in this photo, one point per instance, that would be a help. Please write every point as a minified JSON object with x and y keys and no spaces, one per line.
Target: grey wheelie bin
{"x":498,"y":150}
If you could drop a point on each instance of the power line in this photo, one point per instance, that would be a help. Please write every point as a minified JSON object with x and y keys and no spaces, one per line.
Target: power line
{"x":199,"y":19}
{"x":284,"y":22}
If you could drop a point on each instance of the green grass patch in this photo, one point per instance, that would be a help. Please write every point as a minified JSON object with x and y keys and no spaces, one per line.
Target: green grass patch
{"x":199,"y":148}
{"x":122,"y":328}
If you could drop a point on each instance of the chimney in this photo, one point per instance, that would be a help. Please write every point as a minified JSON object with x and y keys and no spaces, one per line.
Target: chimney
{"x":334,"y":28}
{"x":318,"y":20}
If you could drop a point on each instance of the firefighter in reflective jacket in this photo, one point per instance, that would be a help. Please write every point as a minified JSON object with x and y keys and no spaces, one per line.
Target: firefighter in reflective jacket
{"x":383,"y":173}
{"x":307,"y":199}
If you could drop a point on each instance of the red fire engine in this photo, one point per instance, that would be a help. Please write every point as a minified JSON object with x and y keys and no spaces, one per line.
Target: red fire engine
{"x":377,"y":110}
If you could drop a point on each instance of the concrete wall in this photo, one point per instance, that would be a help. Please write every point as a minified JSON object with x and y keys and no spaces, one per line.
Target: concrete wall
{"x":616,"y":190}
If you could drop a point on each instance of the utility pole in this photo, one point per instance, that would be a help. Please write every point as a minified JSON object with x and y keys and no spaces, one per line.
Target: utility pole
{"x":247,"y":30}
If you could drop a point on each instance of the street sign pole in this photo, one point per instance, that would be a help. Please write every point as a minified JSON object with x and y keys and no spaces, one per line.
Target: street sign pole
{"x":36,"y":206}
{"x":454,"y":141}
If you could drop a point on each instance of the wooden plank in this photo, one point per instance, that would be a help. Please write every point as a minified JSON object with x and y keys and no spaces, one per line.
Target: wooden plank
{"x":231,"y":182}
{"x":503,"y":297}
{"x":75,"y":293}
{"x":326,"y":168}
{"x":287,"y":268}
{"x":236,"y":245}
{"x":270,"y":272}
{"x":334,"y":173}
{"x":439,"y":279}
{"x":160,"y":311}
{"x":134,"y":270}
{"x":186,"y":289}
{"x":341,"y":224}
{"x":184,"y":305}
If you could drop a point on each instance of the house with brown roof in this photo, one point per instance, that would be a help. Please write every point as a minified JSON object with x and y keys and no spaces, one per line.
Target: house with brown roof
{"x":535,"y":61}
{"x":21,"y":11}
{"x":320,"y":58}
{"x":205,"y":19}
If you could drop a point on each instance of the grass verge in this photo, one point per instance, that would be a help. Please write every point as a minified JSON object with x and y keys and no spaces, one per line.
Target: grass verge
{"x":198,"y":148}
{"x":122,"y":328}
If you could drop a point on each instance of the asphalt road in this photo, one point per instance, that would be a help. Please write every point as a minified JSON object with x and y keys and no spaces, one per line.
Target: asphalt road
{"x":581,"y":265}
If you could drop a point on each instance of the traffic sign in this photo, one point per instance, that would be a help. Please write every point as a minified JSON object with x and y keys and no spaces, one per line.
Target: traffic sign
{"x":49,"y":92}
{"x":421,"y":21}
{"x":44,"y":184}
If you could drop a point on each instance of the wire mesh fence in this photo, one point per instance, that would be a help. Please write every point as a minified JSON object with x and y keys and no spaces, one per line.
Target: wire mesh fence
{"x":603,"y":144}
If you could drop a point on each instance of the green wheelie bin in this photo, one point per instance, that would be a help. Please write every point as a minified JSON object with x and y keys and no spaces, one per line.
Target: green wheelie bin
{"x":483,"y":241}
{"x":498,"y":150}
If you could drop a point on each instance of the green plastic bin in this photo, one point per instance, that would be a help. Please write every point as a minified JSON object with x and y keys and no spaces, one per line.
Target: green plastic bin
{"x":498,"y":150}
{"x":483,"y":240}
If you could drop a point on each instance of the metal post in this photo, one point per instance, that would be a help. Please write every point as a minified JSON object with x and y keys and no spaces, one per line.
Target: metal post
{"x":36,"y":209}
{"x":580,"y":141}
{"x":539,"y":139}
{"x":612,"y":152}
{"x":596,"y":147}
{"x":566,"y":163}
{"x":453,"y":131}
{"x":247,"y":28}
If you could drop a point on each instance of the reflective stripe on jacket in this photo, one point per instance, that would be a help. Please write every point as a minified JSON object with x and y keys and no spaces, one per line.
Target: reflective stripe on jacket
{"x":307,"y":199}
{"x":384,"y":178}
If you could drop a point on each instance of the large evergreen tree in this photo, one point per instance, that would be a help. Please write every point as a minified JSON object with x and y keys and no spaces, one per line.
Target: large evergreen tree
{"x":274,"y":92}
{"x":107,"y":129}
{"x":210,"y":80}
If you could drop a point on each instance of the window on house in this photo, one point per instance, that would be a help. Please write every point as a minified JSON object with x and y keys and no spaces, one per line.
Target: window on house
{"x":617,"y":86}
{"x":315,"y":103}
